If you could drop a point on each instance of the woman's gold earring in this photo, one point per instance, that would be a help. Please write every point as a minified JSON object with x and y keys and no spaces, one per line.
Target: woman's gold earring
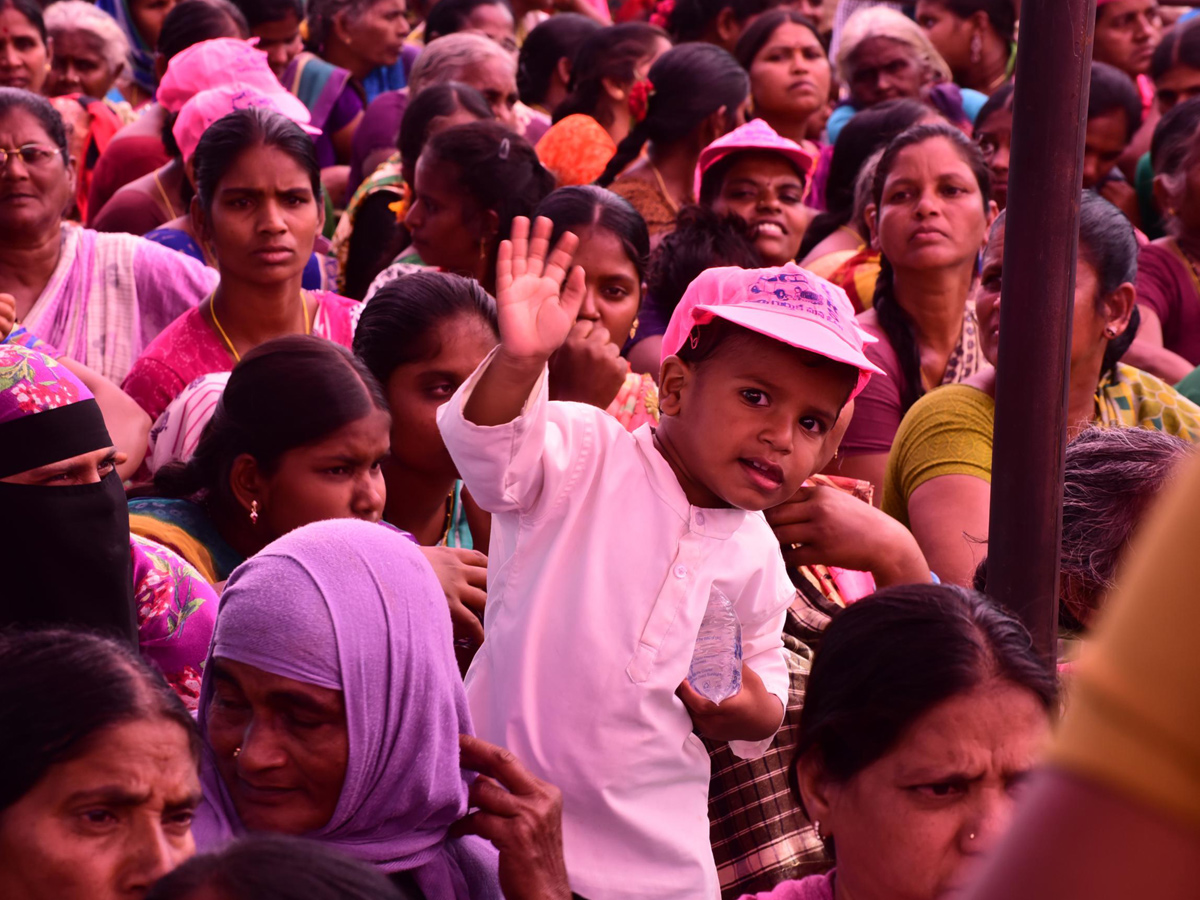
{"x":634,"y":328}
{"x":1110,"y":332}
{"x":253,"y":512}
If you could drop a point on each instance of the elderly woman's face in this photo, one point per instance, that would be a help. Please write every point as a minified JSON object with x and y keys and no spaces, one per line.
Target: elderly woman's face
{"x":884,"y":69}
{"x":79,"y":65}
{"x":281,"y":747}
{"x":33,"y":196}
{"x":496,"y":78}
{"x":912,"y":824}
{"x":107,"y":824}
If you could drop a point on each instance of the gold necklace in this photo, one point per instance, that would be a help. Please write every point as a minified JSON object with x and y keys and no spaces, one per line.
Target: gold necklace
{"x":662,"y":188}
{"x":445,"y":541}
{"x":237,"y":357}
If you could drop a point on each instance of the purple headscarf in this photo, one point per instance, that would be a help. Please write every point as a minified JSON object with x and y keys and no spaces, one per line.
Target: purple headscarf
{"x":352,"y":606}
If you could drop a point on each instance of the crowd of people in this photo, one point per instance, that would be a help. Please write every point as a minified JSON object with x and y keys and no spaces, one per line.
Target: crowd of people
{"x":542,"y":449}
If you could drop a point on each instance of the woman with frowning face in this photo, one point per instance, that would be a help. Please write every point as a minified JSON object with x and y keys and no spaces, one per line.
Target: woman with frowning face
{"x":925,"y":709}
{"x":99,"y":760}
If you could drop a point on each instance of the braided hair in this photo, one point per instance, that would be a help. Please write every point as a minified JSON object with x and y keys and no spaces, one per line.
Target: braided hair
{"x":894,"y":321}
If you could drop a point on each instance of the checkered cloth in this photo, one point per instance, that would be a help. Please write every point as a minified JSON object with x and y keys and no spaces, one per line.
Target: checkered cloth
{"x":760,"y":837}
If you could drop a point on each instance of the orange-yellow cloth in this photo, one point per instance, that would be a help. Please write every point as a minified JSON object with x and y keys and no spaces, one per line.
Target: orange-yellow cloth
{"x":1133,"y":722}
{"x":576,"y":150}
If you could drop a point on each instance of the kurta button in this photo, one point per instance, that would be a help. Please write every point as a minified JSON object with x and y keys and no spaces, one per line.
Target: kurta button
{"x":699,"y":518}
{"x":681,"y":572}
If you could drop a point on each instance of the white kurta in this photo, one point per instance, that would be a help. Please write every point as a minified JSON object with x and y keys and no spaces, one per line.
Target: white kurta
{"x":599,"y":573}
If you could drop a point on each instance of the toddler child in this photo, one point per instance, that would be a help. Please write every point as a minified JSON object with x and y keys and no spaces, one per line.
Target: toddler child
{"x":607,"y":547}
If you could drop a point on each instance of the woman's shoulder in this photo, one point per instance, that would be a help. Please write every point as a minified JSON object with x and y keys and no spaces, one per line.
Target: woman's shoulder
{"x":1157,"y":404}
{"x":187,"y":529}
{"x":185,"y":331}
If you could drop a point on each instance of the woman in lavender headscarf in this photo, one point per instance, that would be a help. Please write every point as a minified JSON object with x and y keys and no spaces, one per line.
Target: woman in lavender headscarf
{"x":332,"y":707}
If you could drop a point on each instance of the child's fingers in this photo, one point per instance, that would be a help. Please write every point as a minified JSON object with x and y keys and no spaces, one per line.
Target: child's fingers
{"x":539,"y":244}
{"x":504,"y":268}
{"x":693,"y":701}
{"x":573,"y":292}
{"x":560,"y":258}
{"x":519,"y":250}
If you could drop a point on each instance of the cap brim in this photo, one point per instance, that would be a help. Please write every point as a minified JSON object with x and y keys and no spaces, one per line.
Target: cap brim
{"x":804,"y":334}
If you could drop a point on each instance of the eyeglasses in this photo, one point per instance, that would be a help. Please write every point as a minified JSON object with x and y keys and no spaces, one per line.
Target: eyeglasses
{"x":31,"y":154}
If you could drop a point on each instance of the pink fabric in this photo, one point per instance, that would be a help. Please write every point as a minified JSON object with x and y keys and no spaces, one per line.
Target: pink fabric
{"x":111,"y":294}
{"x":215,"y":103}
{"x":177,"y":611}
{"x":209,"y":64}
{"x":754,"y":135}
{"x":189,"y":347}
{"x":787,"y":303}
{"x":814,"y":887}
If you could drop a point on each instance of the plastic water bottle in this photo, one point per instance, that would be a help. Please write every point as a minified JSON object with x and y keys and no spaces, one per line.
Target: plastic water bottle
{"x":716,"y":670}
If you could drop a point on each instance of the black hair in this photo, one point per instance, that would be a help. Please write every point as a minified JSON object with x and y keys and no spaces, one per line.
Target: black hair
{"x":1174,"y":136}
{"x":755,"y":37}
{"x":691,"y":82}
{"x":690,"y":20}
{"x":275,"y":867}
{"x":261,"y":12}
{"x":612,"y":53}
{"x":1002,"y":99}
{"x":193,"y":21}
{"x":1111,"y":90}
{"x":894,"y":321}
{"x":231,"y":135}
{"x":320,"y":16}
{"x":59,"y":689}
{"x":859,"y":138}
{"x":893,"y":656}
{"x":558,"y":37}
{"x":1108,"y":244}
{"x":497,"y":169}
{"x":700,"y":240}
{"x":31,"y":10}
{"x":1180,"y":46}
{"x":438,"y":100}
{"x":399,"y":323}
{"x":1002,"y":14}
{"x":285,"y":393}
{"x":450,"y":16}
{"x":579,"y":207}
{"x":39,"y":107}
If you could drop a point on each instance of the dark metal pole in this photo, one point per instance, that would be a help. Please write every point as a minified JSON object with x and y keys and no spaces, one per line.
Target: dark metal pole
{"x":1049,"y":118}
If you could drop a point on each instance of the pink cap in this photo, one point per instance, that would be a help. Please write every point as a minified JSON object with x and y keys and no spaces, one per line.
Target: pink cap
{"x":216,"y":103}
{"x":788,"y":303}
{"x":210,"y":64}
{"x":754,"y":135}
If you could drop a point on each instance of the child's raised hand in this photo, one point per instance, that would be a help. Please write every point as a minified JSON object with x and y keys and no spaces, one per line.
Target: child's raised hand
{"x":8,"y":314}
{"x":536,"y":309}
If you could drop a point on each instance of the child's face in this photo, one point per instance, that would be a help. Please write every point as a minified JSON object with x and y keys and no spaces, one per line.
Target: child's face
{"x":415,"y":391}
{"x":747,"y":426}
